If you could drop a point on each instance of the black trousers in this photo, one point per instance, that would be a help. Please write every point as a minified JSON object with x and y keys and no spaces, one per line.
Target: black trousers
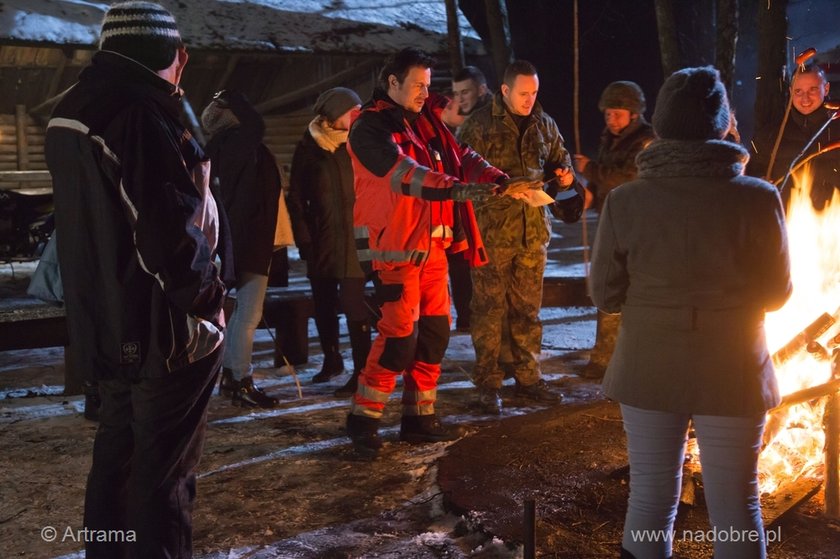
{"x":460,"y":283}
{"x":332,"y":296}
{"x":150,"y":437}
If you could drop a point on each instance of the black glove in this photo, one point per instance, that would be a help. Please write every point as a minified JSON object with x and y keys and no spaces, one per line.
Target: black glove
{"x":569,"y":210}
{"x":476,"y":191}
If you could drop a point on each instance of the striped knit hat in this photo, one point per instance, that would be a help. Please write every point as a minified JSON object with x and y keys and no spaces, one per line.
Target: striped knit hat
{"x":143,"y":31}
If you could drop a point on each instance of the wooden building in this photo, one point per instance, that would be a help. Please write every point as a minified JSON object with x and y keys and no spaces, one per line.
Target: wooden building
{"x":280,"y":53}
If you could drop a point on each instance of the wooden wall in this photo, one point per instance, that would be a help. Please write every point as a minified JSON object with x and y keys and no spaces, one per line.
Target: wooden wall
{"x":21,"y":149}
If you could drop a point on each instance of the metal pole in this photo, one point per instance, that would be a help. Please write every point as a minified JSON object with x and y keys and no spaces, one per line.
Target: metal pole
{"x":530,"y":535}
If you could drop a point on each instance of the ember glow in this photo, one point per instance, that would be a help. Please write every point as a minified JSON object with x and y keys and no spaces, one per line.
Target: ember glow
{"x":794,"y":436}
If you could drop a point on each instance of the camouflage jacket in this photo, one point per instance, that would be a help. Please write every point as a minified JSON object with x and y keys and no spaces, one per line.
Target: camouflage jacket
{"x":492,"y":132}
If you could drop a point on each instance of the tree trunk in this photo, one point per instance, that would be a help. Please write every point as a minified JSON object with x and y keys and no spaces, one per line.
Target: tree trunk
{"x":669,"y":47}
{"x":456,"y":48}
{"x":500,"y":48}
{"x":726,"y":22}
{"x":771,"y":76}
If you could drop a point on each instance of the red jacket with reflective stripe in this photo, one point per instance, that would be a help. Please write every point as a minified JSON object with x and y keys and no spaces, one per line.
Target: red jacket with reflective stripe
{"x":402,"y":162}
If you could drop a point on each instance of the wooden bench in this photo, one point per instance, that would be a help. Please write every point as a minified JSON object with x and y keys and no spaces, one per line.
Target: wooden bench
{"x":27,"y":323}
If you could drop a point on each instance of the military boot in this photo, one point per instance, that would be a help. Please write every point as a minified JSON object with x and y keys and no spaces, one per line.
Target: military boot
{"x":428,"y":429}
{"x":489,"y":400}
{"x":538,"y":392}
{"x":227,"y":385}
{"x":364,"y":433}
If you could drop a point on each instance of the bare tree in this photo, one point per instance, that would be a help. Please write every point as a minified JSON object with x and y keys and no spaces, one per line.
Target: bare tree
{"x":771,"y":79}
{"x":669,"y":46}
{"x":456,"y":47}
{"x":499,"y":30}
{"x":726,"y":22}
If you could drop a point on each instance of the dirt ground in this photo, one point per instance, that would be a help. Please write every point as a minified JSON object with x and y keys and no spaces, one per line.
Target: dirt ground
{"x":283,"y":483}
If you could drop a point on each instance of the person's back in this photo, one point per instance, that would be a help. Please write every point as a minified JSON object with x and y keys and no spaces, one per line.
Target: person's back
{"x":138,"y":234}
{"x":692,"y":254}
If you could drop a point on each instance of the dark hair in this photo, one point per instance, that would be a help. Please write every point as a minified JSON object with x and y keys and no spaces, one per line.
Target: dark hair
{"x":518,"y":68}
{"x":400,"y":63}
{"x":470,"y":73}
{"x":154,"y":54}
{"x":811,"y":69}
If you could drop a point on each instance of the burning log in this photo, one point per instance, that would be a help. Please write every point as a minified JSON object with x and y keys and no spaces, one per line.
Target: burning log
{"x":810,"y":334}
{"x":786,"y":498}
{"x":831,"y":422}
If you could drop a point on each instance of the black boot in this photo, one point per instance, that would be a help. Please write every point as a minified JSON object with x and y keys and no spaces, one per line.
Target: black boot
{"x":428,"y":429}
{"x":227,"y":386}
{"x":349,"y":387}
{"x":364,"y":432}
{"x":538,"y":392}
{"x":359,"y":333}
{"x":333,"y":366}
{"x":248,"y":395}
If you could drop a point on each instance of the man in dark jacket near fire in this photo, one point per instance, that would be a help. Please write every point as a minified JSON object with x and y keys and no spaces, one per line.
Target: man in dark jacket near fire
{"x":138,"y":234}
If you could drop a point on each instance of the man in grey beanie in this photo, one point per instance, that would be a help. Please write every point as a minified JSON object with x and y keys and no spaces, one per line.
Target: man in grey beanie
{"x":139,"y":232}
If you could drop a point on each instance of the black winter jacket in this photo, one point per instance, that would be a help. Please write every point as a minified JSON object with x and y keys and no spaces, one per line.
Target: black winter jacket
{"x":249,"y":186}
{"x":321,"y":199}
{"x":138,"y":229}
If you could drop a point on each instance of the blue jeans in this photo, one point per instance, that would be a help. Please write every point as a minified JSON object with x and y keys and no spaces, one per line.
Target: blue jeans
{"x":729,"y":448}
{"x":239,"y":338}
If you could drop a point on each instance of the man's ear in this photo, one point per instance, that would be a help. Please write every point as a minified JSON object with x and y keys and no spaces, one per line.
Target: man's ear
{"x":827,"y":87}
{"x":482,"y":89}
{"x":505,"y":90}
{"x":182,"y":58}
{"x":393,"y":81}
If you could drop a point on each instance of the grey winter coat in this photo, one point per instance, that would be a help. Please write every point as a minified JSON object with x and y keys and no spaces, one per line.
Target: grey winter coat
{"x":692,"y":254}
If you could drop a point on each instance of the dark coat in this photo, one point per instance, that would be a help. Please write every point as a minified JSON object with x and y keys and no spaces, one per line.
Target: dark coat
{"x":250,"y":188}
{"x":616,"y":160}
{"x":320,"y":203}
{"x":692,"y":254}
{"x":138,"y":230}
{"x":798,"y":131}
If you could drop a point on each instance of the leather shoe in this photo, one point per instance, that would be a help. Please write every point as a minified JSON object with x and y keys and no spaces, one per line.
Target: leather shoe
{"x":333,"y":366}
{"x":489,"y":400}
{"x":248,"y":395}
{"x":364,"y":433}
{"x":538,"y":392}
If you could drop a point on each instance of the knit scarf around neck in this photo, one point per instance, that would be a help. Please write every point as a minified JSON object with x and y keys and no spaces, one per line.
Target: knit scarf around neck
{"x":328,"y":138}
{"x":681,"y":158}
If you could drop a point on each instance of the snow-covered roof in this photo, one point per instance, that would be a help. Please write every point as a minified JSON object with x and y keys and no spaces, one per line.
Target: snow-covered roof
{"x":336,"y":26}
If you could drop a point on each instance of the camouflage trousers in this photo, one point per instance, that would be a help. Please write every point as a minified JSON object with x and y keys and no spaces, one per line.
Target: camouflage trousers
{"x":606,"y":333}
{"x":507,"y":295}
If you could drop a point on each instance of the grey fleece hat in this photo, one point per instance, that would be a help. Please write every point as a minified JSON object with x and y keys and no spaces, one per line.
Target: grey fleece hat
{"x":334,"y":102}
{"x":623,"y":95}
{"x":692,"y":105}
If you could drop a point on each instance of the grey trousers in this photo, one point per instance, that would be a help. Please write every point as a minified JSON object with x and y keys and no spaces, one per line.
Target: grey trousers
{"x":729,"y":448}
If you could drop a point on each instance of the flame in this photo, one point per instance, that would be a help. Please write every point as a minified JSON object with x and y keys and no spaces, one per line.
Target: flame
{"x":795,"y":448}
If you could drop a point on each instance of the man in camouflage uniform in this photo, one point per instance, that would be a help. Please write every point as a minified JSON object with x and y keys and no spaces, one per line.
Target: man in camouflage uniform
{"x":515,"y":135}
{"x":625,"y":134}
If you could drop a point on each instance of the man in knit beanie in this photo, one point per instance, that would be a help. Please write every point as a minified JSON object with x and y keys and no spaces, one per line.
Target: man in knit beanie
{"x":140,"y":233}
{"x":625,"y":134}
